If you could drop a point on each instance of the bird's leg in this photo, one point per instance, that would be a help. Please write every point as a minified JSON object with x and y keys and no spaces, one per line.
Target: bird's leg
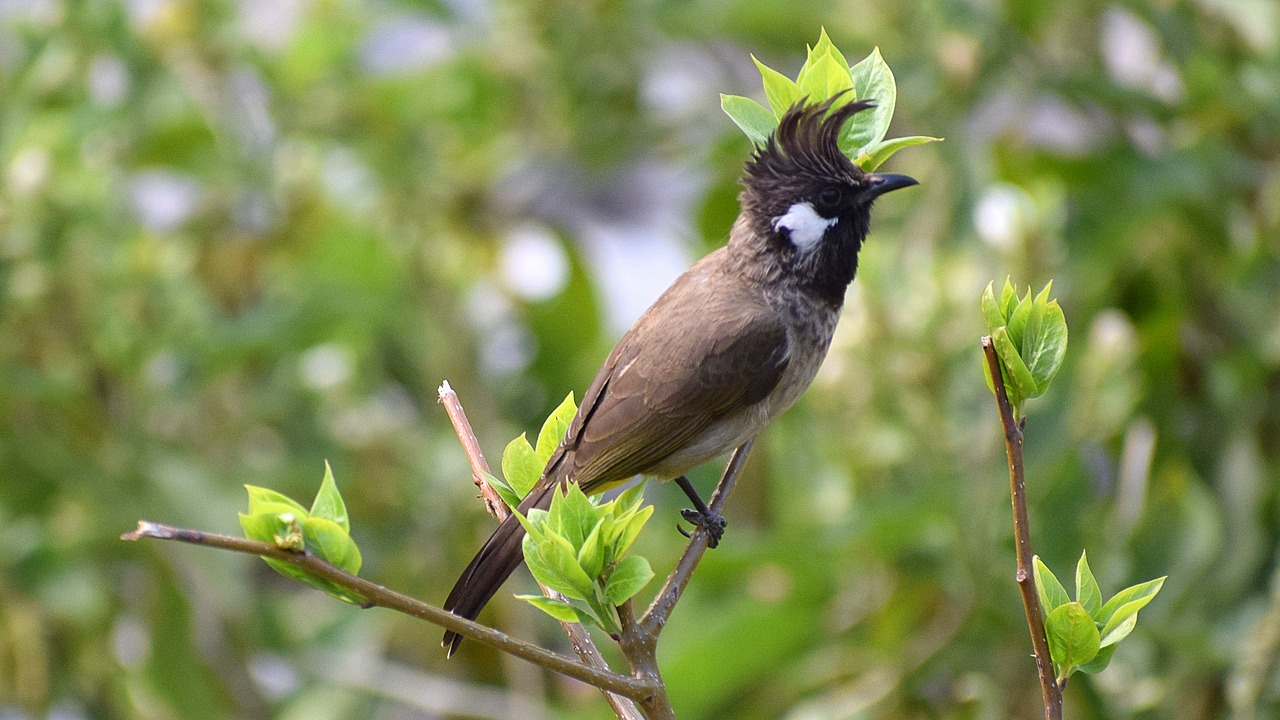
{"x":701,"y":515}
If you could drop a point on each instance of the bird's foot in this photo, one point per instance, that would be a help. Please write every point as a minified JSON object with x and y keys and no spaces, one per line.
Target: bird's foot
{"x":713,"y":523}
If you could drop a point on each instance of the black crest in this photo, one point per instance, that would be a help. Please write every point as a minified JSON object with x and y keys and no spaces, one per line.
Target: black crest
{"x":804,"y":147}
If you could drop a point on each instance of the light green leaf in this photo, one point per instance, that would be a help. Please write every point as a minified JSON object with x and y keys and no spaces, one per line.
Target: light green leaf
{"x":328,"y":541}
{"x":780,"y":90}
{"x":1008,"y":299}
{"x":825,"y":46}
{"x":558,"y":609}
{"x":563,"y":558}
{"x":1051,"y":593}
{"x":874,"y":156}
{"x":260,"y":497}
{"x":872,"y":80}
{"x":1135,"y":592}
{"x":1073,"y":638}
{"x":632,"y":524}
{"x":1087,"y":592}
{"x":1123,"y":620}
{"x":1044,"y":343}
{"x":628,"y":578}
{"x":554,"y":428}
{"x":520,"y":466}
{"x":273,"y":527}
{"x":572,"y":514}
{"x":504,"y":490}
{"x":1018,"y":382}
{"x":328,"y":503}
{"x":1017,"y":322}
{"x":753,"y":118}
{"x":591,"y":554}
{"x":991,"y":308}
{"x":825,"y":78}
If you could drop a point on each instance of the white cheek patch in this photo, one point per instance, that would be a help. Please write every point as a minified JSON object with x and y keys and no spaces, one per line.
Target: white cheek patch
{"x":804,"y":226}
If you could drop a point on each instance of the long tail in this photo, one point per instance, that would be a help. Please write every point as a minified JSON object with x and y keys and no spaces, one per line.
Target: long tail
{"x":495,"y":562}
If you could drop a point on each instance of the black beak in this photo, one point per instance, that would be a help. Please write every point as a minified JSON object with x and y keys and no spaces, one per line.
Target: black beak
{"x":882,"y":183}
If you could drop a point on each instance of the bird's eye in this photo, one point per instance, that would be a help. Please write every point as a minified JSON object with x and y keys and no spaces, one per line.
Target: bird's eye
{"x":830,"y":196}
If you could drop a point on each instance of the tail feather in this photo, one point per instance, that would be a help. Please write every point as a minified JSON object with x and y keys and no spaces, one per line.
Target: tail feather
{"x":497,"y":559}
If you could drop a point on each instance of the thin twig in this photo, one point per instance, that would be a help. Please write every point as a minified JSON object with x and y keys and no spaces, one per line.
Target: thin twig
{"x":378,"y":596}
{"x":655,"y":618}
{"x":579,"y":638}
{"x":1049,"y":688}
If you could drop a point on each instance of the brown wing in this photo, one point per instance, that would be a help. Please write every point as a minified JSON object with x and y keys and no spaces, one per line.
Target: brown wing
{"x":700,"y":353}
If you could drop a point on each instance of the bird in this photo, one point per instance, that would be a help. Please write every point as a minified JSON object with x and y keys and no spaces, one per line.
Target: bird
{"x":728,"y":347}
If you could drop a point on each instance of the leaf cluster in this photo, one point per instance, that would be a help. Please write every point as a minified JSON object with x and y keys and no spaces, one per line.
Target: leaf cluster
{"x":826,"y":74}
{"x":577,"y":548}
{"x":523,"y":463}
{"x":323,"y":531}
{"x":1084,"y":633}
{"x":1030,"y":337}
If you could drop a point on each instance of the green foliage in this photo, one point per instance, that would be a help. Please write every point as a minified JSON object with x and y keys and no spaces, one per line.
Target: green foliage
{"x":522,"y":464}
{"x":1083,"y":633}
{"x":324,"y":531}
{"x":578,"y":548}
{"x":1030,"y":337}
{"x":826,"y":74}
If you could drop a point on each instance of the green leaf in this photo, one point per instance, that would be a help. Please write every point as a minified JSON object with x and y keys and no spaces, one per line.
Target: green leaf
{"x":1141,"y":590}
{"x":628,"y":529}
{"x":504,"y":490}
{"x":328,"y":503}
{"x":825,"y":46}
{"x":281,"y":529}
{"x":1018,"y":382}
{"x":825,"y":78}
{"x":1123,"y":618}
{"x":1051,"y":593}
{"x":572,"y":514}
{"x":1099,"y":661}
{"x":1017,"y":322}
{"x":991,"y":308}
{"x":1073,"y":638}
{"x":328,"y":541}
{"x":520,"y":466}
{"x":1087,"y":592}
{"x":553,"y":430}
{"x":872,"y":80}
{"x":1008,"y":299}
{"x":260,"y":497}
{"x":563,"y":559}
{"x":780,"y":90}
{"x":591,"y":554}
{"x":628,"y":578}
{"x":1044,"y":343}
{"x":558,"y":609}
{"x":753,"y":118}
{"x":874,"y":156}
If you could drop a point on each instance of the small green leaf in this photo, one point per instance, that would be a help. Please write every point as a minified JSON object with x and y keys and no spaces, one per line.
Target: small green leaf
{"x":553,"y":430}
{"x":572,"y":514}
{"x":328,"y":503}
{"x":591,"y":554}
{"x":1099,"y":661}
{"x":1147,"y":589}
{"x":872,"y":80}
{"x":1073,"y":638}
{"x":504,"y":490}
{"x":259,"y":497}
{"x":558,"y":609}
{"x":825,"y":78}
{"x":628,"y":578}
{"x":1051,"y":593}
{"x":1123,"y":620}
{"x":1017,"y":322}
{"x":1018,"y":382}
{"x":1044,"y":343}
{"x":874,"y":156}
{"x":1008,"y":299}
{"x":1087,"y":592}
{"x":780,"y":90}
{"x":563,"y":558}
{"x":825,"y":46}
{"x":520,"y":466}
{"x":753,"y":118}
{"x":991,"y":308}
{"x":328,"y":541}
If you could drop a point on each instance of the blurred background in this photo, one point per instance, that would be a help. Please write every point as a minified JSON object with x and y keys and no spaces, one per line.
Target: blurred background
{"x":240,"y":238}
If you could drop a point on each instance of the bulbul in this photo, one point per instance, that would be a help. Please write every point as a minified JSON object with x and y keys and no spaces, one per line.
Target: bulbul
{"x":727,"y":348}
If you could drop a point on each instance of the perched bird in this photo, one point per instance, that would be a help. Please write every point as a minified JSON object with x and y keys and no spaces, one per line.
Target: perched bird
{"x":727,"y":348}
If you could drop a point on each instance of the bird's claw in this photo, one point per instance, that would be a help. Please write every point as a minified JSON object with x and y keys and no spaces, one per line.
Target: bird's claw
{"x":713,"y":523}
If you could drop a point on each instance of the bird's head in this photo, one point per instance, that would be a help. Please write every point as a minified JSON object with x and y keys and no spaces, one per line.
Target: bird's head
{"x":805,"y":205}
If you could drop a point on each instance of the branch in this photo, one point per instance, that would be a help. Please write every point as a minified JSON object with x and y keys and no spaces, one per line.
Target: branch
{"x":378,"y":596}
{"x":655,"y":618}
{"x":1049,"y":689}
{"x":579,"y":638}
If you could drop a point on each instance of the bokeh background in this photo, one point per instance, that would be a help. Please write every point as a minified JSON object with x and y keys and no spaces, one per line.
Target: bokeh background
{"x":240,"y":238}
